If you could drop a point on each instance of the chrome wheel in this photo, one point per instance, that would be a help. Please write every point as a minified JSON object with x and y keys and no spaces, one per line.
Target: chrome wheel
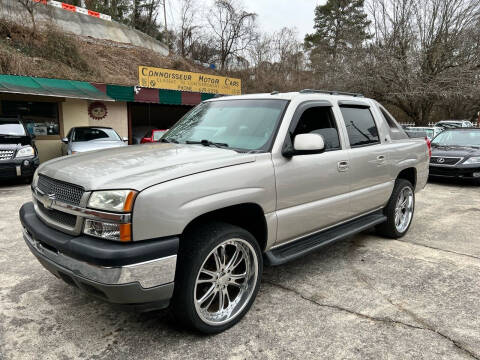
{"x":404,"y":209}
{"x":226,"y":281}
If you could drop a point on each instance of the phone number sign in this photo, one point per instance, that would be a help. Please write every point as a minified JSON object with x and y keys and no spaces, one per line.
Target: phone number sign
{"x":158,"y":78}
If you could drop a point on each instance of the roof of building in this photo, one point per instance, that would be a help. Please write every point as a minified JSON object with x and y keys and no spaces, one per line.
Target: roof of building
{"x":28,"y":85}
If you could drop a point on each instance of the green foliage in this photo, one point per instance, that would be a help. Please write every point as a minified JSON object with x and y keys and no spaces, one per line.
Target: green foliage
{"x":339,"y":25}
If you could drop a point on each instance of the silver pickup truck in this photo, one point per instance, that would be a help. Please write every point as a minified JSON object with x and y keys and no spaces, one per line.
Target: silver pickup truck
{"x":237,"y":183}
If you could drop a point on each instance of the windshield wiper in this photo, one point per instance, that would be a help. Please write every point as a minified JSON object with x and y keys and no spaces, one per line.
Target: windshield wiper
{"x":208,"y":143}
{"x":169,"y":141}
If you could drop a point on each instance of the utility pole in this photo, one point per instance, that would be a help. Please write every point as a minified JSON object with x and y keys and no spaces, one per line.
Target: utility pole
{"x":165,"y":20}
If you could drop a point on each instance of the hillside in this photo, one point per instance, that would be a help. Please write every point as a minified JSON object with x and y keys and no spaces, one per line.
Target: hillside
{"x":54,"y":54}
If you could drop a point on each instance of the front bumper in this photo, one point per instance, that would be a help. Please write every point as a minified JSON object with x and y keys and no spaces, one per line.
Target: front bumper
{"x":458,"y":172}
{"x":18,"y":168}
{"x":139,"y":275}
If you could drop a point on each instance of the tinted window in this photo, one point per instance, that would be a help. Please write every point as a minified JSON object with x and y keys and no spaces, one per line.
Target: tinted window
{"x":360,"y":125}
{"x":89,"y":134}
{"x":9,"y":127}
{"x":319,"y":120}
{"x":389,"y":120}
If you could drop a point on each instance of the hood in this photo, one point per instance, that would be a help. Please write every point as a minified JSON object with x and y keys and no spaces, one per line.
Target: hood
{"x":15,"y":140}
{"x":455,"y":151}
{"x":139,"y":166}
{"x":82,"y":146}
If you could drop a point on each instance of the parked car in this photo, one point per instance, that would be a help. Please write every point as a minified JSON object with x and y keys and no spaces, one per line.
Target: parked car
{"x":430,"y":132}
{"x":238,"y":182}
{"x":18,"y":154}
{"x":456,"y":154}
{"x":454,"y":124}
{"x":153,"y":136}
{"x":88,"y":138}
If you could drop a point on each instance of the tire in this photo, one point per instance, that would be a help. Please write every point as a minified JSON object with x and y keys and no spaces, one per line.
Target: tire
{"x":192,"y":283}
{"x":392,"y":228}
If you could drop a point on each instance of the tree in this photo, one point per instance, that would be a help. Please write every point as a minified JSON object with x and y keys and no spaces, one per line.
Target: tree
{"x":233,"y":30}
{"x":288,"y":50}
{"x":31,"y":7}
{"x":341,"y":26}
{"x":425,"y":56}
{"x":144,"y":16}
{"x":188,"y":28}
{"x":278,"y":63}
{"x":117,"y":9}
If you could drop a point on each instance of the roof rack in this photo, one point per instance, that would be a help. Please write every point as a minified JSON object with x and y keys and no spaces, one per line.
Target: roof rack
{"x":329,"y":92}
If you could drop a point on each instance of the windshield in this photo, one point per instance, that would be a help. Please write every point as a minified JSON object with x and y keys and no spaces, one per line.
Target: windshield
{"x":157,"y":134}
{"x":457,"y":138}
{"x":239,"y":124}
{"x":428,"y":132}
{"x":12,"y":128}
{"x":95,"y":134}
{"x":448,"y":124}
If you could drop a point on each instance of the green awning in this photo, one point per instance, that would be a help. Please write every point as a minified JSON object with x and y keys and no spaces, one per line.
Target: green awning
{"x":27,"y":85}
{"x":121,"y":93}
{"x":170,"y":97}
{"x":206,"y":96}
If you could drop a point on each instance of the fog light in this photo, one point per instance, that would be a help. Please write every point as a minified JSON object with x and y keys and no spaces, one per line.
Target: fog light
{"x":26,"y":162}
{"x":109,"y":231}
{"x":476,"y":174}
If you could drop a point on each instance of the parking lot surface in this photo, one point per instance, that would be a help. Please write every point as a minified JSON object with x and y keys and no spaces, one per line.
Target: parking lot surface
{"x":365,"y":298}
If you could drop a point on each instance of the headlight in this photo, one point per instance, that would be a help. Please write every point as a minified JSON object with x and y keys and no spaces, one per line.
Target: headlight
{"x":35,"y":179}
{"x":472,"y":160}
{"x":112,"y":200}
{"x":25,"y":152}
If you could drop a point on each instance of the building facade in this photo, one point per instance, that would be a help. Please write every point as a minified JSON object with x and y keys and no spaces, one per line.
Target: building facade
{"x":51,"y":107}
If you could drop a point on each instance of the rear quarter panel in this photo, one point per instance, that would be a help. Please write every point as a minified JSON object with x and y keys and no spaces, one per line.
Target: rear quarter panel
{"x":410,"y":153}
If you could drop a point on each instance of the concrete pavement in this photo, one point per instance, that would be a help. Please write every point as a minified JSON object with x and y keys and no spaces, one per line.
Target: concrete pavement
{"x":366,"y":298}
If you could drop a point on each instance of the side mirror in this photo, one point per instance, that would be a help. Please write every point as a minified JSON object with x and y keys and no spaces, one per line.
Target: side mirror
{"x":308,"y":143}
{"x":125,"y":139}
{"x":65,"y":140}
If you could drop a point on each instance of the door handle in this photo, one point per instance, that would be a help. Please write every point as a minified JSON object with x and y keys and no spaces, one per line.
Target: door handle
{"x":343,"y":166}
{"x":380,"y":159}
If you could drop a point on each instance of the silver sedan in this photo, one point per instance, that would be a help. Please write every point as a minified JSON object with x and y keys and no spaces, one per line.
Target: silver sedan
{"x":88,"y":138}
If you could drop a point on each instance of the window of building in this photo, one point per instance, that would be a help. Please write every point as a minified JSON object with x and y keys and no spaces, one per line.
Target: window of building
{"x":40,"y":118}
{"x":361,"y":127}
{"x":319,"y":120}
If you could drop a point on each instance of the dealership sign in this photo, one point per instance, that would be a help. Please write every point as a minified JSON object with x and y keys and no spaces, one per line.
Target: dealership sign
{"x":158,"y":78}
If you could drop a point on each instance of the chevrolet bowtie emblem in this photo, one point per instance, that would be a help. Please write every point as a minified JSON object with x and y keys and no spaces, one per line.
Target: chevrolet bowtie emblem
{"x":48,"y":201}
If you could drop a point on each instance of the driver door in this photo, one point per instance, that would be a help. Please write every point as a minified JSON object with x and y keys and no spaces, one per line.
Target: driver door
{"x":311,"y":187}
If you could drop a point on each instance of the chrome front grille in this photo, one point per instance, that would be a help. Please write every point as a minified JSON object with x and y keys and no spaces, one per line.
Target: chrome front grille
{"x":440,"y":160}
{"x":58,"y":216}
{"x":6,"y":154}
{"x":65,"y":192}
